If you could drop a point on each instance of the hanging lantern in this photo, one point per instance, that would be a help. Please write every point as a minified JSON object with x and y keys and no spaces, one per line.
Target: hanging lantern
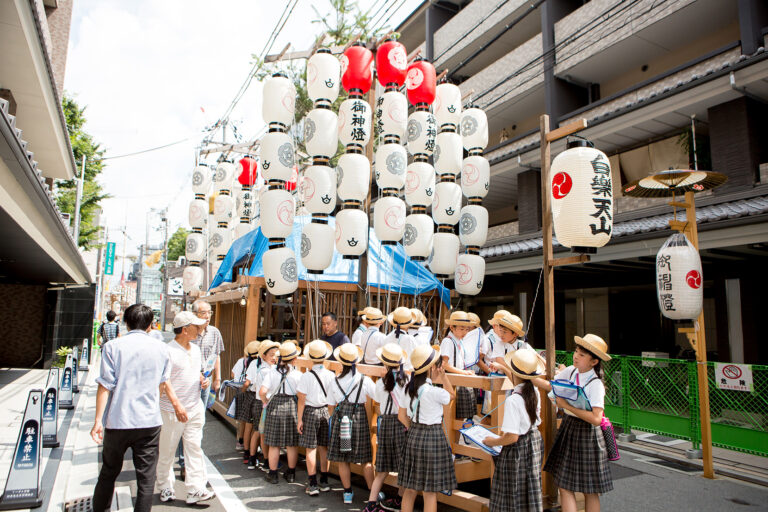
{"x":351,"y":233}
{"x":194,"y":248}
{"x":420,"y":82}
{"x":392,"y":115}
{"x":221,"y":241}
{"x":224,"y":177}
{"x":280,"y":271}
{"x":357,"y":69}
{"x":420,"y":184}
{"x":291,"y":184}
{"x":417,"y":237}
{"x":244,"y":203}
{"x":475,"y":176}
{"x":277,"y":156}
{"x":445,"y":251}
{"x":277,"y":212}
{"x":469,"y":274}
{"x":354,"y":123}
{"x":192,"y":278}
{"x":223,"y":206}
{"x":448,"y":153}
{"x":447,"y":204}
{"x":317,"y":242}
{"x":391,"y":63}
{"x":422,"y":130}
{"x":447,"y":106}
{"x":321,"y":133}
{"x":474,"y":129}
{"x":279,"y":101}
{"x":323,"y":72}
{"x":389,"y":219}
{"x":390,"y":165}
{"x":201,"y":179}
{"x":353,"y":172}
{"x":582,"y":197}
{"x":249,"y":171}
{"x":318,"y":189}
{"x":473,"y":225}
{"x":242,"y":229}
{"x":198,"y":213}
{"x":679,"y":279}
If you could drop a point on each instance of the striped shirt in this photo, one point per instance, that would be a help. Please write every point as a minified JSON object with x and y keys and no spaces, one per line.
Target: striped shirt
{"x":209,"y":342}
{"x":186,"y":366}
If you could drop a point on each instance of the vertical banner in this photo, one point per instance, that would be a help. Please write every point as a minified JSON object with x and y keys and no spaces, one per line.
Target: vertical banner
{"x":109,"y":260}
{"x":65,"y":390}
{"x":83,"y":364}
{"x":75,"y":378}
{"x":22,"y":489}
{"x":51,"y":410}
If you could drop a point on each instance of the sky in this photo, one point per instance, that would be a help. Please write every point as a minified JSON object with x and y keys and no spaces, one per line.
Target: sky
{"x":152,"y":73}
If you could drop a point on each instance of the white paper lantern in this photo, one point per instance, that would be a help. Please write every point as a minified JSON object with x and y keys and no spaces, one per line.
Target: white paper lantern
{"x":353,"y":174}
{"x":475,"y":176}
{"x":277,"y":156}
{"x":194,"y":248}
{"x":390,"y":166}
{"x":192,"y":278}
{"x":417,"y":237}
{"x":447,"y":106}
{"x":277,"y":212}
{"x":241,"y":229}
{"x":351,"y":232}
{"x":422,"y":130}
{"x":279,"y":100}
{"x":447,"y":204}
{"x":321,"y":133}
{"x":473,"y":225}
{"x":448,"y":153}
{"x":474,"y":129}
{"x":582,"y":197}
{"x":223,"y":206}
{"x":318,"y":189}
{"x":198,"y":213}
{"x":317,"y":243}
{"x":470,"y":274}
{"x":392,"y":114}
{"x":679,"y":279}
{"x":389,"y":219}
{"x":445,"y":251}
{"x":323,"y":76}
{"x":221,"y":241}
{"x":354,"y":122}
{"x":245,"y":202}
{"x":224,"y":177}
{"x":215,"y":265}
{"x":280,"y":271}
{"x":201,"y":180}
{"x":420,"y":184}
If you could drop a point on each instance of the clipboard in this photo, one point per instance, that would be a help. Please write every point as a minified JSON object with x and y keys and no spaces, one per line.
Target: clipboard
{"x":571,"y":393}
{"x":477,"y":434}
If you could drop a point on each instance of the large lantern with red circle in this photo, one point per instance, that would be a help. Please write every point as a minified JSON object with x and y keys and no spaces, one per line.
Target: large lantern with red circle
{"x":679,"y":281}
{"x":470,"y":274}
{"x":357,"y":69}
{"x":420,"y":82}
{"x":391,"y":63}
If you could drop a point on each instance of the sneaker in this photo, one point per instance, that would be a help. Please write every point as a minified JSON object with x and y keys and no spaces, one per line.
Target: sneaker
{"x":290,"y":476}
{"x":371,"y":507}
{"x":199,"y":496}
{"x":348,"y":497}
{"x":239,"y":446}
{"x":312,"y":490}
{"x":263,"y":465}
{"x":252,"y":463}
{"x":167,"y":495}
{"x":391,"y":504}
{"x":324,"y":486}
{"x":272,"y":478}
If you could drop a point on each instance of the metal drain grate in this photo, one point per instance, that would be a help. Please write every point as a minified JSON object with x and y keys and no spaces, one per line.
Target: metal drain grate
{"x":79,"y":505}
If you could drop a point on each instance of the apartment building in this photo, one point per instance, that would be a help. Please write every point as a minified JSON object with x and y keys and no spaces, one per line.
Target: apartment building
{"x":646,"y":75}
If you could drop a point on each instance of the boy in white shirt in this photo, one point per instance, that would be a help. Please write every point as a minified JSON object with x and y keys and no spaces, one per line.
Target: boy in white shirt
{"x":372,"y":338}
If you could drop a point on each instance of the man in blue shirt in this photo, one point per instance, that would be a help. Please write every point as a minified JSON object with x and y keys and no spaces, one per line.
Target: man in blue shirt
{"x":135,"y":369}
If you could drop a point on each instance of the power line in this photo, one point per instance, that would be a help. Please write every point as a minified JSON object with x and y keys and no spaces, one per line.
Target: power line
{"x":146,"y":150}
{"x":402,"y":3}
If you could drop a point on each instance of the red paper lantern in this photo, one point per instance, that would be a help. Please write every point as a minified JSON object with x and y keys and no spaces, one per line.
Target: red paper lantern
{"x":250,"y":171}
{"x":290,"y":185}
{"x":391,"y":63}
{"x":357,"y":69}
{"x":421,"y":82}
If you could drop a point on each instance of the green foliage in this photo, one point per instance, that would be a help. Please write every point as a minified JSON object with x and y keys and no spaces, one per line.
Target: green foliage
{"x":345,"y":21}
{"x":61,"y":357}
{"x":177,"y":244}
{"x":703,"y":151}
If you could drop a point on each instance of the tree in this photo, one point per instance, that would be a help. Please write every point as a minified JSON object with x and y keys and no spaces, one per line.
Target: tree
{"x":177,"y":244}
{"x":66,"y":190}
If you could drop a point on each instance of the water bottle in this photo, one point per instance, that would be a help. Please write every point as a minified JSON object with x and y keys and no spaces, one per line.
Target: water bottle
{"x":346,"y":435}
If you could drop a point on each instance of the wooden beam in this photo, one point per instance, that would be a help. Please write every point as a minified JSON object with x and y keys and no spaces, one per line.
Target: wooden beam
{"x":570,"y":260}
{"x":564,"y":131}
{"x":678,"y":204}
{"x":279,"y":56}
{"x":243,"y":148}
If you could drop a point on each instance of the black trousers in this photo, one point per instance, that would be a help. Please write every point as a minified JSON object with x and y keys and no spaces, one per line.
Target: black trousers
{"x":144,"y":443}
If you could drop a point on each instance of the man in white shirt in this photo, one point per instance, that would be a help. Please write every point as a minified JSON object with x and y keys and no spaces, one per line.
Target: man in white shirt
{"x":186,"y":379}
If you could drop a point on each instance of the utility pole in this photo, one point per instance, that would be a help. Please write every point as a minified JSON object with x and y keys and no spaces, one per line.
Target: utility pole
{"x":78,"y":200}
{"x":165,"y":270}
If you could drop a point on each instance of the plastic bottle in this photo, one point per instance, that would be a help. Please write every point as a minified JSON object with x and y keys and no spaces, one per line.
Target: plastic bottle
{"x":346,"y":435}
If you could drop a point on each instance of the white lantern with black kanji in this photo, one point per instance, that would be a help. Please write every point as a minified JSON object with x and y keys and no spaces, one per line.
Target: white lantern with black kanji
{"x":201,"y":179}
{"x":317,"y":243}
{"x":582,"y":197}
{"x":392,"y":114}
{"x":353,"y":174}
{"x":470,"y":274}
{"x":474,"y":129}
{"x":420,"y":184}
{"x":473,"y":225}
{"x":445,"y":251}
{"x":198,"y":213}
{"x":277,"y":156}
{"x":389,"y":219}
{"x":448,"y":153}
{"x":447,"y":204}
{"x":323,"y":77}
{"x":447,"y":106}
{"x":351,"y":233}
{"x":321,"y":133}
{"x":280,"y":271}
{"x":223,"y":206}
{"x":279,"y":101}
{"x":277,"y":212}
{"x":318,"y":189}
{"x":422,"y":131}
{"x":224,"y":177}
{"x":679,"y":279}
{"x":354,"y":123}
{"x":192,"y":278}
{"x":417,"y":237}
{"x":475,"y":176}
{"x":194,"y":248}
{"x":391,"y":163}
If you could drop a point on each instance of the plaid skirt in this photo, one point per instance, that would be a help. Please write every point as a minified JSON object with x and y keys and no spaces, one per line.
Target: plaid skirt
{"x":578,"y":460}
{"x":243,"y":401}
{"x":256,"y":407}
{"x":390,"y":444}
{"x":280,"y":423}
{"x":315,"y":429}
{"x":427,"y":463}
{"x":466,"y":403}
{"x":516,"y":481}
{"x":361,"y":453}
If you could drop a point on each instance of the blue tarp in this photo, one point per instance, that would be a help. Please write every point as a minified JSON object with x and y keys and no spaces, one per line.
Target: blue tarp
{"x":389,"y":268}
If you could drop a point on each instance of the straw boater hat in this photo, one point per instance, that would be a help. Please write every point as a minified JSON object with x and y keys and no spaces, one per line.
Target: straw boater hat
{"x":400,"y":317}
{"x":289,"y":351}
{"x":423,"y":358}
{"x":252,"y":349}
{"x":373,"y":316}
{"x":419,"y":320}
{"x":458,"y":318}
{"x":391,"y":354}
{"x":318,"y":350}
{"x":497,"y":315}
{"x":348,"y":354}
{"x":474,"y":319}
{"x":266,"y":346}
{"x":525,"y":363}
{"x":511,"y":322}
{"x":295,"y":342}
{"x":594,"y":344}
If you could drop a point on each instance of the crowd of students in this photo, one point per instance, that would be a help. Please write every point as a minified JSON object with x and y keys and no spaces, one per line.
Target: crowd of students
{"x":282,"y":408}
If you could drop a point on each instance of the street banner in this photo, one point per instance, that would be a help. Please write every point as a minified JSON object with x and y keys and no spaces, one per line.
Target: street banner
{"x":22,"y":489}
{"x":176,"y":286}
{"x":109,"y":260}
{"x":51,"y":410}
{"x":83,"y":365}
{"x":75,"y":378}
{"x":65,"y":390}
{"x":736,"y":377}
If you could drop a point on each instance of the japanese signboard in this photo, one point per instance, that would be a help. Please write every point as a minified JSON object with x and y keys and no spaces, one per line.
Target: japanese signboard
{"x":736,"y":377}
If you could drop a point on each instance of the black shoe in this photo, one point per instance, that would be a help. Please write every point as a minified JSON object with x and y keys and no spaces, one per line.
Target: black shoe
{"x":392,"y":504}
{"x":272,"y":478}
{"x":290,"y":476}
{"x":324,"y":486}
{"x":252,"y":463}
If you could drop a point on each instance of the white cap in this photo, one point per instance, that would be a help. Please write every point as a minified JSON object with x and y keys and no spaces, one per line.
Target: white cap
{"x":185,"y":318}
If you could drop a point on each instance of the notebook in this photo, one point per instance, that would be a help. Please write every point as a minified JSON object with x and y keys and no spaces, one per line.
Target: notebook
{"x":477,"y":434}
{"x":572,"y":394}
